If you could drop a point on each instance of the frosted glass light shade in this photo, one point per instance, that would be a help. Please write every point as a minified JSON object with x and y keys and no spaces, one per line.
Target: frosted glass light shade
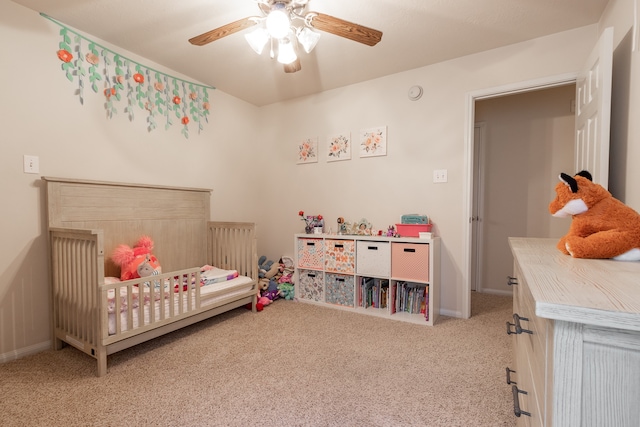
{"x":286,"y":53}
{"x":257,"y":39}
{"x":308,"y":38}
{"x":278,"y":24}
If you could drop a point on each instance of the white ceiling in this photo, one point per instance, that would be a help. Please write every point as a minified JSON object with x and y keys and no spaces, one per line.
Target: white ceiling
{"x":416,"y":33}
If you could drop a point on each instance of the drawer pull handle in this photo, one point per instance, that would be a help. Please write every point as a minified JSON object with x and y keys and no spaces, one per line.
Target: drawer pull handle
{"x":372,"y":248}
{"x":310,"y":244}
{"x":339,"y":280}
{"x":311,"y":275}
{"x":511,"y":281}
{"x":516,"y":403}
{"x":339,"y":246}
{"x":509,"y":372}
{"x":409,"y":250}
{"x":519,"y":328}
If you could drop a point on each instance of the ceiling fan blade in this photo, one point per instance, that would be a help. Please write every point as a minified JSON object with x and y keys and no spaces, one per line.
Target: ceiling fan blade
{"x":293,"y":67}
{"x":346,"y":29}
{"x":223,"y":31}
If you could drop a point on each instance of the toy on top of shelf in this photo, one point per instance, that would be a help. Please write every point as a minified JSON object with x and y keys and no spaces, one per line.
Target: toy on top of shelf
{"x":311,"y":222}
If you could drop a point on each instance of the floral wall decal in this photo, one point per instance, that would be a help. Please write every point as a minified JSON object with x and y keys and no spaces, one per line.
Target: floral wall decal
{"x":339,"y":147}
{"x":123,"y":80}
{"x":373,"y":142}
{"x":308,"y":151}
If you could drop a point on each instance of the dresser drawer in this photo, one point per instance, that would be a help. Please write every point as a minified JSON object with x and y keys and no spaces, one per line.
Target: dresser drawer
{"x":311,"y":253}
{"x":410,"y":261}
{"x":532,"y":353}
{"x":340,"y":256}
{"x":373,"y":258}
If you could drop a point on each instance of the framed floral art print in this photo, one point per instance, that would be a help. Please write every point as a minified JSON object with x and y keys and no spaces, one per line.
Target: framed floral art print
{"x":373,"y":142}
{"x":339,"y":147}
{"x":308,"y":150}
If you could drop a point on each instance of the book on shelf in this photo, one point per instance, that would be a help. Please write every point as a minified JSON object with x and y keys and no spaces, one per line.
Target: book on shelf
{"x":373,"y":292}
{"x":412,"y":298}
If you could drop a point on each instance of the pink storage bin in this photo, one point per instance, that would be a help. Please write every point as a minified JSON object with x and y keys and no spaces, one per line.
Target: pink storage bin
{"x":412,"y":230}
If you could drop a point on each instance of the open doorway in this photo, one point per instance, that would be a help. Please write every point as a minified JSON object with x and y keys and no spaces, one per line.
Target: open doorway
{"x":593,"y":108}
{"x":521,"y":143}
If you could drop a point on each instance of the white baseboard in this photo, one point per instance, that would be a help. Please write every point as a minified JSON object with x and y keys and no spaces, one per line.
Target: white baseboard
{"x":497,"y":292}
{"x":25,"y":351}
{"x":450,"y":313}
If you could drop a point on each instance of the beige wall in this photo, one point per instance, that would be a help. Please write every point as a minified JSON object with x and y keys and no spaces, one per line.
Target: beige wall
{"x":40,"y":115}
{"x":624,"y":181}
{"x":423,"y":135}
{"x":248,"y":155}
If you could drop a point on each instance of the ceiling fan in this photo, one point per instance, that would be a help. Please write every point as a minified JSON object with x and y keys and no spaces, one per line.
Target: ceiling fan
{"x":285,"y":24}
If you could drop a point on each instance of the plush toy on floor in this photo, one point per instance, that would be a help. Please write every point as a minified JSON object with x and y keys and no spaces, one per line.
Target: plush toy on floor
{"x":287,"y":290}
{"x":137,"y":261}
{"x":601,"y":226}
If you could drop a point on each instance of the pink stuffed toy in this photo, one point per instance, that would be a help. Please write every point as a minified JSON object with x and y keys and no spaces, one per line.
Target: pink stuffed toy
{"x":137,"y":261}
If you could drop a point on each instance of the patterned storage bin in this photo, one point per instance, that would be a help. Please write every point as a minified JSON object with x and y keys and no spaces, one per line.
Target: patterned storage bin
{"x":410,"y":261}
{"x":340,"y":289}
{"x":340,"y":256}
{"x":311,"y":253}
{"x":310,"y":286}
{"x":373,"y":258}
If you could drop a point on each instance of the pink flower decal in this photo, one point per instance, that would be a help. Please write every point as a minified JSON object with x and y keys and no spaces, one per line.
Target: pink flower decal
{"x":185,"y":120}
{"x":92,"y":58}
{"x":138,"y":78}
{"x":158,"y":86}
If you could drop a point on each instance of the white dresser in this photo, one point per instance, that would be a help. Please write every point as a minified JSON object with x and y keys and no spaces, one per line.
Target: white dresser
{"x":576,"y":331}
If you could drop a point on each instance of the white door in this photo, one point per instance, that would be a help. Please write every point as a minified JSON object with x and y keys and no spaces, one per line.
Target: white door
{"x":478,"y":200}
{"x":593,"y":111}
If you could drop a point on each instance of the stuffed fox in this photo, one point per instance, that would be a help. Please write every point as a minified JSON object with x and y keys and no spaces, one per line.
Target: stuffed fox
{"x":602,"y":226}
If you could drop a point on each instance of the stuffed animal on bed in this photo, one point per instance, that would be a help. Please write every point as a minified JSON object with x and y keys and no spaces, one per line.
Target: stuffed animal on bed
{"x":137,"y":261}
{"x":601,"y":226}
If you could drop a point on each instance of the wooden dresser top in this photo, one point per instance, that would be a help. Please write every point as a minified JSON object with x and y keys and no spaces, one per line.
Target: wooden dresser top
{"x":590,"y":291}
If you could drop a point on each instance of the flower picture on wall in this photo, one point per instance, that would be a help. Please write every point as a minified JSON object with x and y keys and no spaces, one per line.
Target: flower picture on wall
{"x":373,"y":142}
{"x":339,"y":147}
{"x":308,"y":150}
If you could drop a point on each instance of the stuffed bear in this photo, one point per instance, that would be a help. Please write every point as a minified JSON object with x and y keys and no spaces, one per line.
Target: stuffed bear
{"x":601,"y":226}
{"x":137,"y":261}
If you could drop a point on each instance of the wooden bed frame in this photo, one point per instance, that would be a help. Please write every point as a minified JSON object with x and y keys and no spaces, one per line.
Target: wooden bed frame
{"x":88,"y":219}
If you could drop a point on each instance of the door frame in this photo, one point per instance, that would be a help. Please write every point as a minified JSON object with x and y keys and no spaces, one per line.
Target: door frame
{"x":469,"y":130}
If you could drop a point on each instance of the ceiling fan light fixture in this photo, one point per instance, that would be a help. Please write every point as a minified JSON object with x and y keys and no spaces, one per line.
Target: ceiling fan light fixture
{"x":278,"y":23}
{"x":257,"y":39}
{"x":308,"y":38}
{"x":286,"y":53}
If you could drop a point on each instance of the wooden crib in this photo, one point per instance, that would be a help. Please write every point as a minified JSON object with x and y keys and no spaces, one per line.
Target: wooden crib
{"x":95,"y":312}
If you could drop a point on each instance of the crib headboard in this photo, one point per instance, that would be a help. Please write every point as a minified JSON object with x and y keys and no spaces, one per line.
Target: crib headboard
{"x":175,"y":218}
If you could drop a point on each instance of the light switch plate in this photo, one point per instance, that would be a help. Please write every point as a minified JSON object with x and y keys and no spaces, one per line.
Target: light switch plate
{"x":31,"y":164}
{"x":440,"y":175}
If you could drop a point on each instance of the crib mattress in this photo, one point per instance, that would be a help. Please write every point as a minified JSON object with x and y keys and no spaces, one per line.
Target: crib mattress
{"x":209,"y":296}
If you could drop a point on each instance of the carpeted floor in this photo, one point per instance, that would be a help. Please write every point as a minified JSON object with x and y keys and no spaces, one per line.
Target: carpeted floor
{"x":293,"y":364}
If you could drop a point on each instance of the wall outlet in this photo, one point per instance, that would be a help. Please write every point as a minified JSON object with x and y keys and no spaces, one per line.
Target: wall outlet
{"x":31,"y":164}
{"x":440,"y":175}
